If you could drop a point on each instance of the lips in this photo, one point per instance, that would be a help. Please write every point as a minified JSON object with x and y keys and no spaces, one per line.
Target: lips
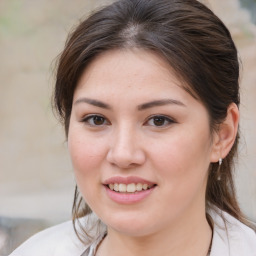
{"x":127,"y":180}
{"x":128,"y":189}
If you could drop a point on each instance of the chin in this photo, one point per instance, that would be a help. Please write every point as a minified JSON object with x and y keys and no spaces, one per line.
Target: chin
{"x":130,"y":225}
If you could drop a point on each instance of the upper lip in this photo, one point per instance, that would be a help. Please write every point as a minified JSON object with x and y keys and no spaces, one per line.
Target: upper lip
{"x":127,"y":180}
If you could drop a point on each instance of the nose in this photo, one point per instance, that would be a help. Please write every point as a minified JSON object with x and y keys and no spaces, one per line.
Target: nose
{"x":126,"y":149}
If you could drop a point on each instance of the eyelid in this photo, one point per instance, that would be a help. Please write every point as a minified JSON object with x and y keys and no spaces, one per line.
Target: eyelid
{"x":167,"y":118}
{"x":85,"y":119}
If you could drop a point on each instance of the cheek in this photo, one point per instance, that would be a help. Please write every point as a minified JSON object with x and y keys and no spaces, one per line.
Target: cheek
{"x":182,"y":164}
{"x":85,"y":152}
{"x":183,"y":158}
{"x":87,"y":158}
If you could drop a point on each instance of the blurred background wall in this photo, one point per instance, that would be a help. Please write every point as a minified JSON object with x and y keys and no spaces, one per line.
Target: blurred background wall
{"x":36,"y":180}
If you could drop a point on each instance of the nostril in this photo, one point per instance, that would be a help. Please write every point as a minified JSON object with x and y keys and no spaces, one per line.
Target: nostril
{"x":126,"y":158}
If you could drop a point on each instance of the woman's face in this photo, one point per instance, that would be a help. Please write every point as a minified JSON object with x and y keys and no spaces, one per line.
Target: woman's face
{"x":139,"y":143}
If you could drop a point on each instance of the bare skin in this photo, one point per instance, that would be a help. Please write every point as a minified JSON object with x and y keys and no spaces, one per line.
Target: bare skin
{"x":132,"y":120}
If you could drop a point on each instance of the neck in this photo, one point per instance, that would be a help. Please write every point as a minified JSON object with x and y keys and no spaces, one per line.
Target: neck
{"x":190,"y":235}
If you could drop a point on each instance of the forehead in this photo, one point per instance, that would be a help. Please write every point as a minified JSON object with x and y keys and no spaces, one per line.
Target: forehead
{"x":128,"y":69}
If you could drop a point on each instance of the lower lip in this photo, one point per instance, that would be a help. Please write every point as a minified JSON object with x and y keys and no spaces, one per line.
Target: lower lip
{"x":128,"y":198}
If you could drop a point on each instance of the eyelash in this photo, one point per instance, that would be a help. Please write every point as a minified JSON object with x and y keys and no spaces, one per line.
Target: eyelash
{"x":167,"y":120}
{"x":92,"y":118}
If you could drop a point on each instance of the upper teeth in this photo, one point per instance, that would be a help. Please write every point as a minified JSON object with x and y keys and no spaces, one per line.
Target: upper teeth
{"x":131,"y":188}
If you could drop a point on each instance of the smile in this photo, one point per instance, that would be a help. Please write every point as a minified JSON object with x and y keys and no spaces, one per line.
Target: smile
{"x":129,"y":188}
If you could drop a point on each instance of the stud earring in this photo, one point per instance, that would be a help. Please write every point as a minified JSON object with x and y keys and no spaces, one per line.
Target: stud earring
{"x":218,"y":171}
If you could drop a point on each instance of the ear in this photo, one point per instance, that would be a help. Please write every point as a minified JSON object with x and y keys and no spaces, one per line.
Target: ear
{"x":225,"y":136}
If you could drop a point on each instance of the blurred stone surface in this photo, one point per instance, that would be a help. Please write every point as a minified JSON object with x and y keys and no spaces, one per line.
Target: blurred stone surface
{"x":35,"y":168}
{"x":36,"y":179}
{"x":14,"y":231}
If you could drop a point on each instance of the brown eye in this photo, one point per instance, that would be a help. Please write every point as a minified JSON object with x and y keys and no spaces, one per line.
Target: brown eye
{"x":98,"y":120}
{"x":95,"y":120}
{"x":159,"y":121}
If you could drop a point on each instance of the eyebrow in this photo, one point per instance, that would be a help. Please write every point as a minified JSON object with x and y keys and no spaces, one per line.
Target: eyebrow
{"x":151,"y":104}
{"x":93,"y":102}
{"x":158,"y":103}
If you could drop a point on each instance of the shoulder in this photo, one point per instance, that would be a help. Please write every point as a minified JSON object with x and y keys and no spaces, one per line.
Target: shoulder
{"x":59,"y":240}
{"x":231,"y":237}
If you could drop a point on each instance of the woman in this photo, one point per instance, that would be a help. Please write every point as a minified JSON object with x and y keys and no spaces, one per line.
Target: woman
{"x":148,"y":94}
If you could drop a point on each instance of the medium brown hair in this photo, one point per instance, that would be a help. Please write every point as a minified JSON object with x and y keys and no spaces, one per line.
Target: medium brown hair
{"x":188,"y":36}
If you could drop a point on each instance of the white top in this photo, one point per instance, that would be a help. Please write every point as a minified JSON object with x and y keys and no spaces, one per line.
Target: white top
{"x":236,"y":239}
